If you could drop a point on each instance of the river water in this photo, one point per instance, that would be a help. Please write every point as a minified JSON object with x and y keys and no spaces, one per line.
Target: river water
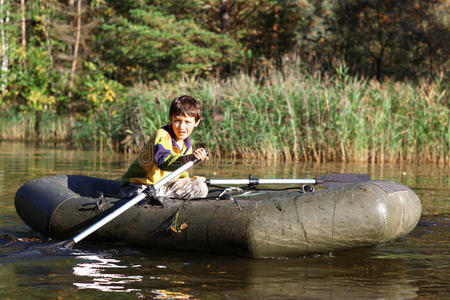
{"x":415,"y":267}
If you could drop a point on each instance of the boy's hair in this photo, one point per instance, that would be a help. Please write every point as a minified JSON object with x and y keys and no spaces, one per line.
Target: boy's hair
{"x":185,"y":105}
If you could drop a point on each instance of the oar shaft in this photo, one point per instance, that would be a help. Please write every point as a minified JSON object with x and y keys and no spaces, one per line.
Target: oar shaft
{"x":287,"y":181}
{"x":256,"y":181}
{"x":174,"y":174}
{"x":329,"y":180}
{"x":131,"y":202}
{"x":108,"y":218}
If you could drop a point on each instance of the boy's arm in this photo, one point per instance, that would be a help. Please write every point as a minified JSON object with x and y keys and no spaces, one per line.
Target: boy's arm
{"x":169,"y":161}
{"x":174,"y":161}
{"x":165,"y":159}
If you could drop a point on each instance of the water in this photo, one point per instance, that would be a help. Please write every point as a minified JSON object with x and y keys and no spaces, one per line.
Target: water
{"x":414,"y":267}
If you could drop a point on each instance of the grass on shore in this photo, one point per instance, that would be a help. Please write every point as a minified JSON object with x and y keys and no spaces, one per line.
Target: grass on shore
{"x":291,"y":115}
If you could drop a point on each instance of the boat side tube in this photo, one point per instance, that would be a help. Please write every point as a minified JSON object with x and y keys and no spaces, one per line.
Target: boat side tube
{"x":358,"y":215}
{"x":37,"y":200}
{"x":264,"y":224}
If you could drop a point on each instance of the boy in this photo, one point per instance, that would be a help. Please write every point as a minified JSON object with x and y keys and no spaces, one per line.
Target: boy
{"x":166,"y":151}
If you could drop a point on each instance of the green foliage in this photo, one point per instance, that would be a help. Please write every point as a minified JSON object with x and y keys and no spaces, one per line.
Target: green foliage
{"x":292,"y":116}
{"x":266,"y":28}
{"x":297,"y":116}
{"x":152,"y":45}
{"x":112,"y":68}
{"x":30,"y":77}
{"x":102,"y":130}
{"x":33,"y":84}
{"x":97,"y":91}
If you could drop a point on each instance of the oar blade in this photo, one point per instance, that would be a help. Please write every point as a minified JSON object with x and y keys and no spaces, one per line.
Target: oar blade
{"x":337,"y":180}
{"x":67,"y":244}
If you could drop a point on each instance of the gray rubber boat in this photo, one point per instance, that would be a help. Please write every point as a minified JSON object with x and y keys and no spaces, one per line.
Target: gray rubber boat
{"x":254,"y":223}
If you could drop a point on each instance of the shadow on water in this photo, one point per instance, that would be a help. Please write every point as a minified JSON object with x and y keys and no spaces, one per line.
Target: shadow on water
{"x":17,"y":246}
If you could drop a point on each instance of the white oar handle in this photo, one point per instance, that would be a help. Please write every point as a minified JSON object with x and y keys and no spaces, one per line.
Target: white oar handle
{"x":256,"y":181}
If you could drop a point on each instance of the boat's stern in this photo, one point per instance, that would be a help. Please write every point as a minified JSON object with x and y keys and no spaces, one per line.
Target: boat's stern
{"x":400,"y":207}
{"x":357,"y":215}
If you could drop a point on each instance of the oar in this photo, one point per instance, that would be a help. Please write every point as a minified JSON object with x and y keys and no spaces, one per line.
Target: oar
{"x":76,"y":239}
{"x":329,"y":180}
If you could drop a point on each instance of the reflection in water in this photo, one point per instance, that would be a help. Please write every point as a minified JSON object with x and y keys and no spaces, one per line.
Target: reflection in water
{"x":164,"y":294}
{"x":337,"y":277}
{"x":110,"y":275}
{"x":101,"y":270}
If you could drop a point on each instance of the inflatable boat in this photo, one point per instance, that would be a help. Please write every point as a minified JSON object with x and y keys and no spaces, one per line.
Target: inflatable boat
{"x":252,"y":222}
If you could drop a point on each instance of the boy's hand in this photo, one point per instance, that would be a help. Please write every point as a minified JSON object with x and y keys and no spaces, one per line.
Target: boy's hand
{"x":201,"y":178}
{"x":201,"y":154}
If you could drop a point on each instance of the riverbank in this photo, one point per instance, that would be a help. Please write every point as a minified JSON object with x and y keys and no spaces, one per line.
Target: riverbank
{"x":288,"y":116}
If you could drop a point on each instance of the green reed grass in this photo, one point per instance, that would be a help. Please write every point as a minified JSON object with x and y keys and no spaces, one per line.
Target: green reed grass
{"x":282,"y":115}
{"x":297,"y":116}
{"x":21,"y":127}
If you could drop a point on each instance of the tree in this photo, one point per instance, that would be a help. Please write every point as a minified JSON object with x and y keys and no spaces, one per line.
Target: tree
{"x":148,"y":44}
{"x":24,"y":28}
{"x":390,"y":38}
{"x":75,"y":49}
{"x":4,"y":21}
{"x":265,"y":28}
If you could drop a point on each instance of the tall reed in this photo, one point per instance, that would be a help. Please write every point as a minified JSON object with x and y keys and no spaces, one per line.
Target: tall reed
{"x":281,"y":115}
{"x":292,"y":115}
{"x":21,"y":127}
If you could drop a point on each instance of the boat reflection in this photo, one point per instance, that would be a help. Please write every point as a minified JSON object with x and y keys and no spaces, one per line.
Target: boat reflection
{"x":165,"y":294}
{"x":107,"y":274}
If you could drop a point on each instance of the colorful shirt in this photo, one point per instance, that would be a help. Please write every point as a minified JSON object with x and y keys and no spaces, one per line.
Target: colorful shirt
{"x":160,"y":156}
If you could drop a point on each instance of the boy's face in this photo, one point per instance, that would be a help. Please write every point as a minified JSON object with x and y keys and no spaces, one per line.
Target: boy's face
{"x":183,"y":126}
